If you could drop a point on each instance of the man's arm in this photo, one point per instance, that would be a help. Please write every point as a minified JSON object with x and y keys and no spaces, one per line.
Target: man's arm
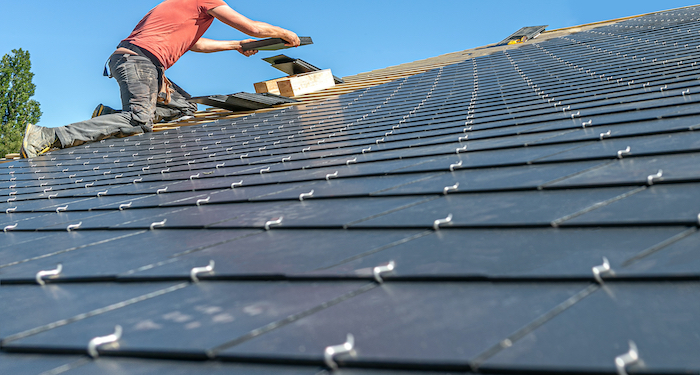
{"x":256,"y":29}
{"x":205,"y":45}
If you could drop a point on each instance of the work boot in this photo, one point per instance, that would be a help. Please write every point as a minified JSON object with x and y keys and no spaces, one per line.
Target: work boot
{"x":38,"y":140}
{"x":102,"y":109}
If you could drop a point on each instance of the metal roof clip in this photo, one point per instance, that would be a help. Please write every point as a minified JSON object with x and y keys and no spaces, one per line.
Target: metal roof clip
{"x":332,"y":351}
{"x":448,"y":189}
{"x":379,"y":270}
{"x":437,"y":223}
{"x":41,"y":274}
{"x":621,"y":153}
{"x":624,"y":360}
{"x":203,"y":201}
{"x":200,"y":270}
{"x":604,"y":268}
{"x":652,"y":177}
{"x":10,"y":227}
{"x":158,"y":224}
{"x":306,"y":195}
{"x":98,"y":341}
{"x":73,"y":227}
{"x":273,"y":222}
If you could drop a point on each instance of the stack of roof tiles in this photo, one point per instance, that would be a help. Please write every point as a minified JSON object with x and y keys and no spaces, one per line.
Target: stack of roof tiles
{"x":535,"y":209}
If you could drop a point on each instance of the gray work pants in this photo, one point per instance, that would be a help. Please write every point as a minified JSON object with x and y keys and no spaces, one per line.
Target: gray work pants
{"x":139,"y":85}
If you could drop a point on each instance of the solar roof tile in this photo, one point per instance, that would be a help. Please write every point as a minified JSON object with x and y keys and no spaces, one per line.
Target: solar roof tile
{"x":658,"y":204}
{"x":37,"y":364}
{"x":536,"y":208}
{"x":414,"y":325}
{"x":64,"y":304}
{"x":279,"y":253}
{"x":126,"y":253}
{"x":509,"y":253}
{"x":115,"y":366}
{"x":187,"y":322}
{"x":656,"y":317}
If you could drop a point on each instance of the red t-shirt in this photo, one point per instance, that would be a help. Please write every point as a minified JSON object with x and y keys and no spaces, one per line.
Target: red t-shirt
{"x":173,"y":27}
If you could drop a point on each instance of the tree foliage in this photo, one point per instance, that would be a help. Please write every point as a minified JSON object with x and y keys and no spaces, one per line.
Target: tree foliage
{"x":16,"y":107}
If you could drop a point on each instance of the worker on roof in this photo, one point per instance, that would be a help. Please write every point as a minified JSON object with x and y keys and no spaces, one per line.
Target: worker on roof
{"x":138,"y":64}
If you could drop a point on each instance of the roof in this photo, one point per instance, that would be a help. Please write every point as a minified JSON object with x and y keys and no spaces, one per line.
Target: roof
{"x":529,"y":208}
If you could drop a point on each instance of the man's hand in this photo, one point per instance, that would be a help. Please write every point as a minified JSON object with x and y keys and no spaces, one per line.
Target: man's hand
{"x":247,"y":53}
{"x":292,"y":39}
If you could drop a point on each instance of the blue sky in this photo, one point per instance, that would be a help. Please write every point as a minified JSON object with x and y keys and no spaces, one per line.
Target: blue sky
{"x":70,"y":40}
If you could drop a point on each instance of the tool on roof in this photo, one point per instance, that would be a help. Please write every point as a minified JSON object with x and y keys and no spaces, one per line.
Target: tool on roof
{"x":273,"y":44}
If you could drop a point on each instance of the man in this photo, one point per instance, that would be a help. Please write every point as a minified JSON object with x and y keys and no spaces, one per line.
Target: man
{"x":168,"y":31}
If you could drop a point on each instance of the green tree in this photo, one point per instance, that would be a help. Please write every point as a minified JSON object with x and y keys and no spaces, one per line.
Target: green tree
{"x":16,"y":107}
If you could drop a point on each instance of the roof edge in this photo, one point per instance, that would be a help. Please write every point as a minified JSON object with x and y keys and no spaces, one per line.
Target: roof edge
{"x":615,"y":20}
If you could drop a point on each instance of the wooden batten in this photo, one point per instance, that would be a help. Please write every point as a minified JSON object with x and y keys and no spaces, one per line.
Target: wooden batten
{"x":269,"y":86}
{"x":9,"y":158}
{"x":299,"y":84}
